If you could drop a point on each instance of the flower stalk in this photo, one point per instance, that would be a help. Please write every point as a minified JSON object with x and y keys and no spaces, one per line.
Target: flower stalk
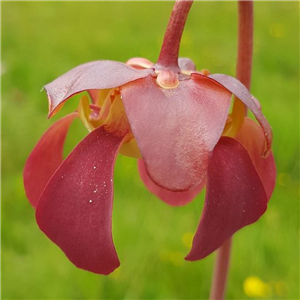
{"x":243,"y":74}
{"x":245,"y":51}
{"x":219,"y":280}
{"x":168,"y":56}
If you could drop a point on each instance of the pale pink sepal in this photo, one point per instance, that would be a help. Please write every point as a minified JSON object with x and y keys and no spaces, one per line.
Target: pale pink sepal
{"x":176,"y":129}
{"x":102,"y":74}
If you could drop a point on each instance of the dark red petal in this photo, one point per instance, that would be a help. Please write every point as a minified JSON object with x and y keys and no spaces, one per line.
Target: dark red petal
{"x":45,"y":158}
{"x":252,"y":138}
{"x":241,"y":92}
{"x":176,"y":129}
{"x":235,"y":198}
{"x":75,"y":209}
{"x":171,"y":198}
{"x":102,"y":74}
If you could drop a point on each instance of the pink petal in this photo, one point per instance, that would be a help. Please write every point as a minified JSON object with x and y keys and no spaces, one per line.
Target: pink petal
{"x":252,"y":138}
{"x":241,"y":92}
{"x":139,"y":63}
{"x":171,"y":198}
{"x":75,"y":209}
{"x":186,"y":64}
{"x":176,"y":129}
{"x":103,"y":74}
{"x":45,"y":158}
{"x":235,"y":198}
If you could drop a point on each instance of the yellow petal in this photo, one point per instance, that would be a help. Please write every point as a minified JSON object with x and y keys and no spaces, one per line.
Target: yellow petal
{"x":131,"y":149}
{"x":116,"y":121}
{"x":84,"y":112}
{"x":236,"y":119}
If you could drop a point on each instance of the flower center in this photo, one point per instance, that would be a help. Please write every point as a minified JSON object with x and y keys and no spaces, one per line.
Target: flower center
{"x":235,"y":120}
{"x":109,"y":112}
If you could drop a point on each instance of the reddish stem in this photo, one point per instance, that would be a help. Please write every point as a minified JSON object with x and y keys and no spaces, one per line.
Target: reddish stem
{"x":245,"y":43}
{"x":219,"y":279}
{"x":244,"y":69}
{"x":168,"y":57}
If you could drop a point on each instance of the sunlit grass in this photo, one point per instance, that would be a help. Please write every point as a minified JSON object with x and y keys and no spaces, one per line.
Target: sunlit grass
{"x":42,"y":40}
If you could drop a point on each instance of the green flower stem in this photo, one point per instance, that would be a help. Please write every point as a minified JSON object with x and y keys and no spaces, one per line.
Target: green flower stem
{"x":243,"y":73}
{"x":168,"y":57}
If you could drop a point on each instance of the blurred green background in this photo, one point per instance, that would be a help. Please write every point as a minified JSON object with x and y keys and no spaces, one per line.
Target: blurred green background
{"x":42,"y":40}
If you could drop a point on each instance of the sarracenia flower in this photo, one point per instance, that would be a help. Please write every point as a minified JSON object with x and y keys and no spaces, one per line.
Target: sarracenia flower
{"x":176,"y":122}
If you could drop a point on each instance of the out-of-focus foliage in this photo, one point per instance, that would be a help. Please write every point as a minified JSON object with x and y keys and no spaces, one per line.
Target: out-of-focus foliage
{"x":42,"y":40}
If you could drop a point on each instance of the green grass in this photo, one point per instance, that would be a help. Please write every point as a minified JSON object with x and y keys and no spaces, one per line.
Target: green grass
{"x":42,"y":40}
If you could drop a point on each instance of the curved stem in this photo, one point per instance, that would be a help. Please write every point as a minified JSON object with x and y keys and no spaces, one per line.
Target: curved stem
{"x":219,"y":279}
{"x":169,"y":52}
{"x":243,"y":70}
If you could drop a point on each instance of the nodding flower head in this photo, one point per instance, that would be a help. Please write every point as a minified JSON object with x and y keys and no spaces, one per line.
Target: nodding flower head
{"x":176,"y":121}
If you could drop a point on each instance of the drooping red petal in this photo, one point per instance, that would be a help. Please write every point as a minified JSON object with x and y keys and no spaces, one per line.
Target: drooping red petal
{"x":171,"y":198}
{"x":240,"y":91}
{"x":75,"y":209}
{"x":102,"y":74}
{"x":235,"y":197}
{"x":45,"y":158}
{"x":252,"y":138}
{"x":176,"y":129}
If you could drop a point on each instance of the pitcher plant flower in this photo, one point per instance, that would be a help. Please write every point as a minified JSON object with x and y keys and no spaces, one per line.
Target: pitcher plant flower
{"x":176,"y":121}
